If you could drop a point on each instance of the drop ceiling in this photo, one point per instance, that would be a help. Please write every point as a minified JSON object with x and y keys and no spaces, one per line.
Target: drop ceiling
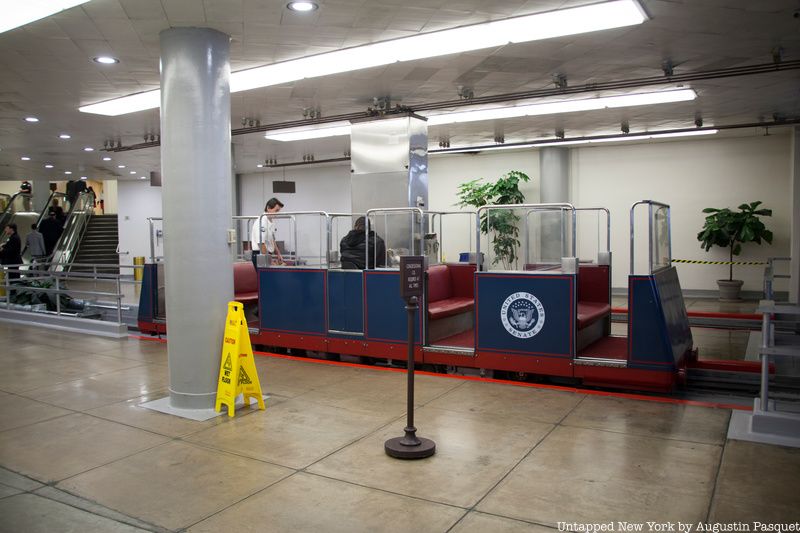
{"x":48,"y":72}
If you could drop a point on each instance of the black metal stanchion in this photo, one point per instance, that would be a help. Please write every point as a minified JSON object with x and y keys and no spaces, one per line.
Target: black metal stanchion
{"x":410,"y":446}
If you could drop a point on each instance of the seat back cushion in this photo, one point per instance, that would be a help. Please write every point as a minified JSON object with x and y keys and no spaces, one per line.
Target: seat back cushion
{"x":593,"y":283}
{"x":245,"y":279}
{"x":462,"y":278}
{"x":439,"y":283}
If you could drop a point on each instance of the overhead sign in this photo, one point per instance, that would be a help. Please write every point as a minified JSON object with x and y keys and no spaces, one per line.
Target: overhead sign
{"x":237,"y":371}
{"x":412,"y":268}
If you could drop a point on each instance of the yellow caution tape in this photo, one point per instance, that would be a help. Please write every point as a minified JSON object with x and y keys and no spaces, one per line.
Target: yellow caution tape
{"x":698,"y":262}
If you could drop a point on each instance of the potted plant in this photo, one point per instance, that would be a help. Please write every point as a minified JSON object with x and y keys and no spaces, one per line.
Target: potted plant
{"x":732,"y":229}
{"x":503,"y":224}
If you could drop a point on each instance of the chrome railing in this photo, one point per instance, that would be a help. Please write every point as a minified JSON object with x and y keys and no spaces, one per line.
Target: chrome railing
{"x":60,"y":285}
{"x":653,"y":234}
{"x":770,"y":276}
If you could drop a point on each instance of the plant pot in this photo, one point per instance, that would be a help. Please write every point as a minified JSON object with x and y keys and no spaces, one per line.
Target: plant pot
{"x":729,"y":290}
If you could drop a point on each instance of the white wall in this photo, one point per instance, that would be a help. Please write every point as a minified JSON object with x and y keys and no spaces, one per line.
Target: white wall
{"x":110,"y":197}
{"x":447,"y":172}
{"x":325,"y":188}
{"x":137,"y":201}
{"x":689,"y":175}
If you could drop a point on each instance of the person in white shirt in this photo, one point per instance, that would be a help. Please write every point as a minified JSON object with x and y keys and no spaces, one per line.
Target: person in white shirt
{"x":262,"y":236}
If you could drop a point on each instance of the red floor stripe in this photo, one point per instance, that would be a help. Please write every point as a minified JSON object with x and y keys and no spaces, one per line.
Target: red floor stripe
{"x":575,"y":390}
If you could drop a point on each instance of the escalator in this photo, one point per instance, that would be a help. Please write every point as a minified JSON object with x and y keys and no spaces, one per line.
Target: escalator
{"x":66,"y":249}
{"x":20,"y":211}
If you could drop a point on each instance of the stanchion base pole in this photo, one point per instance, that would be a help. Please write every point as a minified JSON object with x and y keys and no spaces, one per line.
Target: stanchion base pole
{"x":400,"y":448}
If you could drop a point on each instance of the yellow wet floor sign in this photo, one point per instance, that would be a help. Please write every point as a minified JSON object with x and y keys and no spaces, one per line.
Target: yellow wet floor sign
{"x":237,"y":370}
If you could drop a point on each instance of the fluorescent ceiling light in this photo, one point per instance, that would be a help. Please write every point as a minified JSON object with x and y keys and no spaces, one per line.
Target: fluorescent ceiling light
{"x":106,"y":158}
{"x":84,"y":177}
{"x":120,"y":166}
{"x":563,"y":106}
{"x":48,"y":165}
{"x":88,"y":149}
{"x":106,"y":60}
{"x":25,"y":158}
{"x":132,"y":172}
{"x":583,"y":19}
{"x":333,"y":129}
{"x":628,"y":138}
{"x":514,"y":111}
{"x":16,"y":14}
{"x":65,"y":136}
{"x":67,"y":172}
{"x":31,"y":119}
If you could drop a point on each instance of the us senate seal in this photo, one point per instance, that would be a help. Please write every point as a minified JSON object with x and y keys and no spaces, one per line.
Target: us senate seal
{"x":522,"y":314}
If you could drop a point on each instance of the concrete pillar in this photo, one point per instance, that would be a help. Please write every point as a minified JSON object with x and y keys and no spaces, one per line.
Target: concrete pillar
{"x":794,"y":185}
{"x":196,"y":195}
{"x":41,"y":192}
{"x":554,"y":188}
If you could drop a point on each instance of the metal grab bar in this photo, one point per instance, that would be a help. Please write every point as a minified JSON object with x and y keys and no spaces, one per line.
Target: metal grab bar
{"x":386,"y":211}
{"x":650,"y":204}
{"x":441,"y":215}
{"x":541,"y":207}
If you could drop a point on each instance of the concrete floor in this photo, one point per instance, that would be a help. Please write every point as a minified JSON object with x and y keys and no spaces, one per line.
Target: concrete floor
{"x":78,"y":454}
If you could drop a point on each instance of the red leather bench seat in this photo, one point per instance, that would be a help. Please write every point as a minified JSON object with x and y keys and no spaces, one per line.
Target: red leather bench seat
{"x":591,"y":312}
{"x":245,"y":283}
{"x":449,"y":291}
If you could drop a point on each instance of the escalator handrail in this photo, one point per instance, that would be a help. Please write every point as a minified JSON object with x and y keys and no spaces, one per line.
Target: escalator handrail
{"x":84,"y":199}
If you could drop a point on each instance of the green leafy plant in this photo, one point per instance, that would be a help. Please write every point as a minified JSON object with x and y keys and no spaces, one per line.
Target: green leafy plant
{"x":730,"y":229}
{"x":503,"y":223}
{"x":22,"y":296}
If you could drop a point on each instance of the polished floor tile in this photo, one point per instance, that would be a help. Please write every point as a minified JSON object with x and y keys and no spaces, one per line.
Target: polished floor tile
{"x":62,"y":447}
{"x":473,"y":452}
{"x":33,"y":514}
{"x":307,"y":503}
{"x":12,"y":479}
{"x":24,"y":378}
{"x":476,"y":522}
{"x":294,"y":433}
{"x":524,"y":403}
{"x":105,"y":389}
{"x":289,"y":378}
{"x":584,"y":475}
{"x":652,"y":419}
{"x":380,"y":392}
{"x":17,"y":411}
{"x":6,"y":491}
{"x":757,"y":482}
{"x":130,"y":412}
{"x":174,"y":485}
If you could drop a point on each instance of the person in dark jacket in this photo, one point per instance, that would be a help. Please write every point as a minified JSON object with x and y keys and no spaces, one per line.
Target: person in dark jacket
{"x":11,"y":252}
{"x":353,"y":248}
{"x":51,"y":229}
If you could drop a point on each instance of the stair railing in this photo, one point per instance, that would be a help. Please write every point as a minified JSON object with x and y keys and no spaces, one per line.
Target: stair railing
{"x":74,"y":229}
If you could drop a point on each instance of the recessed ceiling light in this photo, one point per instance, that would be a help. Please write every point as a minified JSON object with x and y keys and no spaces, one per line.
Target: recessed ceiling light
{"x":31,"y":119}
{"x":120,"y":166}
{"x":84,"y":177}
{"x":67,"y":172}
{"x":65,"y":136}
{"x":48,"y":165}
{"x":106,"y":60}
{"x":302,"y":6}
{"x":561,"y":22}
{"x":260,"y":165}
{"x":25,"y":158}
{"x":106,"y":158}
{"x":142,"y":177}
{"x":132,"y":172}
{"x":88,"y":149}
{"x":26,"y":12}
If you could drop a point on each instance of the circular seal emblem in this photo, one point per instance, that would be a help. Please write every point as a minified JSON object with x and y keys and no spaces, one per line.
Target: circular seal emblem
{"x":522,"y":314}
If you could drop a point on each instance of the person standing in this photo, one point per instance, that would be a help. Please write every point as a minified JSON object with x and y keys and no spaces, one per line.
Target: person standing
{"x":34,"y":243}
{"x":60,"y":215}
{"x":11,"y":252}
{"x":26,"y":189}
{"x":262,"y":236}
{"x":51,"y":230}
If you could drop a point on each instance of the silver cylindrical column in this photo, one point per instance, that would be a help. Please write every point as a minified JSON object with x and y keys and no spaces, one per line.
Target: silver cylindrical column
{"x":554,"y":188}
{"x":196,"y":193}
